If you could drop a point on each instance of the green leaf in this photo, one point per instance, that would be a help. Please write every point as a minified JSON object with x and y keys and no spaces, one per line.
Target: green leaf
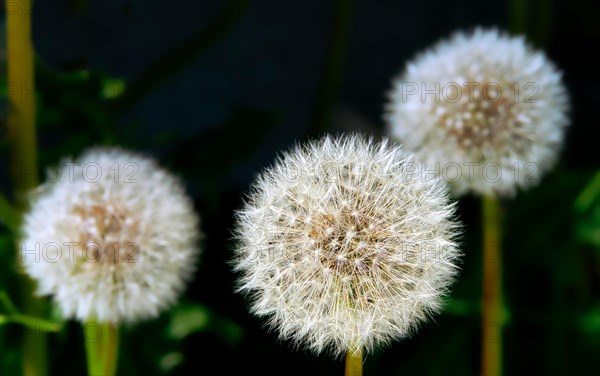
{"x":460,"y":307}
{"x":30,"y":322}
{"x":181,"y":56}
{"x":587,"y":204}
{"x":590,"y":322}
{"x":188,"y":319}
{"x":112,"y":88}
{"x":8,"y":215}
{"x":7,"y":303}
{"x":589,"y":195}
{"x":13,"y":316}
{"x":228,"y":331}
{"x":589,"y":232}
{"x":170,"y":361}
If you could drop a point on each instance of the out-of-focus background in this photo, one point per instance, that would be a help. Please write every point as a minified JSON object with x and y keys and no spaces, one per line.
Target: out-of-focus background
{"x":215,"y":89}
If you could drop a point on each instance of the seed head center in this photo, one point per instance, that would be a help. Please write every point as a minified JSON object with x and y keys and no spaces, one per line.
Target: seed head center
{"x":346,"y":242}
{"x":480,"y":119}
{"x":105,"y":233}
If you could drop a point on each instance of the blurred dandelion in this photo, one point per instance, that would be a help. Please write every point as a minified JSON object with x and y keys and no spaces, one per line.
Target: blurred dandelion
{"x":111,"y":236}
{"x":133,"y":235}
{"x":486,"y":102}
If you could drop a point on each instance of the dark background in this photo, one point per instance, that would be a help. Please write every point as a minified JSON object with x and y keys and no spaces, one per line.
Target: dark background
{"x":215,"y":89}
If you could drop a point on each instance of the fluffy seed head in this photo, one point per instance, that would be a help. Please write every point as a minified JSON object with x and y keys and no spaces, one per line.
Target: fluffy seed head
{"x":111,"y":236}
{"x":342,"y":249}
{"x":484,"y":110}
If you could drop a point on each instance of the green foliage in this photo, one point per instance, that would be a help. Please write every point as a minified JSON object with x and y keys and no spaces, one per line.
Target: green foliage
{"x":587,"y":206}
{"x":8,"y":216}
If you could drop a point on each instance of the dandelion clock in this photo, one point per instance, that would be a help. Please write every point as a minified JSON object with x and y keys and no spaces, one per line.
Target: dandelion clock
{"x":340,"y":249}
{"x":112,"y":238}
{"x":483,"y":109}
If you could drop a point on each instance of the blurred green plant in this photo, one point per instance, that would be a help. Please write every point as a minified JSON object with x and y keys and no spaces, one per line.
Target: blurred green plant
{"x":587,"y":206}
{"x":9,"y":314}
{"x":9,"y":217}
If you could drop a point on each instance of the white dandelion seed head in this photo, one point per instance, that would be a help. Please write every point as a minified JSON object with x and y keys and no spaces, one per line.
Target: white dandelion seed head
{"x":341,"y":249}
{"x":111,"y":236}
{"x":484,"y":101}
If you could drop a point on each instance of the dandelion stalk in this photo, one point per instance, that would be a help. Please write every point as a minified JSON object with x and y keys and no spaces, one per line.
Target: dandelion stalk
{"x":180,"y":57}
{"x":23,"y":156}
{"x":354,"y":365}
{"x":333,"y":65}
{"x":492,"y":319}
{"x":102,"y":351}
{"x":518,"y":16}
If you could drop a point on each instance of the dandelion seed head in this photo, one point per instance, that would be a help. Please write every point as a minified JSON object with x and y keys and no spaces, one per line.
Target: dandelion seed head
{"x":358,"y":273}
{"x":123,"y":236}
{"x":482,"y":98}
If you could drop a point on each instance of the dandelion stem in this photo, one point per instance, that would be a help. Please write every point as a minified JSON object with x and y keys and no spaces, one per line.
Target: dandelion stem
{"x":354,"y":363}
{"x":102,"y":348}
{"x":23,"y":156}
{"x":333,"y":64}
{"x":21,"y":99}
{"x":492,"y":319}
{"x":180,"y":57}
{"x":518,"y":16}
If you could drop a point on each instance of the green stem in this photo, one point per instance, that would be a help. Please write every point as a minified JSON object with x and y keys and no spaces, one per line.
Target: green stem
{"x":23,"y":156}
{"x":180,"y":57}
{"x":532,"y":19}
{"x":544,"y":15}
{"x":518,"y":16}
{"x":102,"y":348}
{"x":354,"y":365}
{"x":492,"y":320}
{"x":332,"y":69}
